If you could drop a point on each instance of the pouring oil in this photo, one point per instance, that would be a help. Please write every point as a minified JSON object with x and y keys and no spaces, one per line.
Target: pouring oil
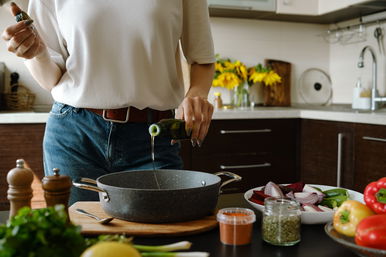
{"x":172,"y":128}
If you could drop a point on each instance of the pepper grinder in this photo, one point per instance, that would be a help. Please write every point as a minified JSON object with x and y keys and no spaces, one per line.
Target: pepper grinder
{"x":57,"y":189}
{"x":19,"y":191}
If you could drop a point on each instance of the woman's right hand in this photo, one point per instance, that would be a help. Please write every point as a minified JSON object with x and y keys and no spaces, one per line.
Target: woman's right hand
{"x":22,"y":39}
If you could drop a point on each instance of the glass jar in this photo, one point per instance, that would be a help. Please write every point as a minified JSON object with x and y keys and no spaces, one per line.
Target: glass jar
{"x":236,"y":225}
{"x":281,"y":221}
{"x":241,"y":96}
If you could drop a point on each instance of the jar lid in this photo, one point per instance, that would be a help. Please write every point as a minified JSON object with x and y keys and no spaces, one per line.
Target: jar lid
{"x":236,"y":216}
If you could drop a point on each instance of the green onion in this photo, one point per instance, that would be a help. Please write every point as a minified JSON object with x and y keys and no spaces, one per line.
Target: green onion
{"x":175,"y":254}
{"x":183,"y":245}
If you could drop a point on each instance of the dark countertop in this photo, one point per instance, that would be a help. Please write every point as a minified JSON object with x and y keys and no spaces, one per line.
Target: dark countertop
{"x":314,"y":241}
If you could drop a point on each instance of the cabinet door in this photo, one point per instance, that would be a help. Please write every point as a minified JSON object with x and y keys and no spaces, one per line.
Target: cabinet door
{"x":19,"y":141}
{"x":326,"y":152}
{"x":261,"y":5}
{"x":258,"y":150}
{"x":370,"y":154}
{"x":299,"y":7}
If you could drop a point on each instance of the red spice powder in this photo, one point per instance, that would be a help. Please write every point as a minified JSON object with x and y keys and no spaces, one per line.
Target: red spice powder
{"x":235,"y":234}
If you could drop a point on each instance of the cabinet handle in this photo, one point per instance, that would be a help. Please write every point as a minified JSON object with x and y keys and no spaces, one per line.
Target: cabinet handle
{"x":232,"y":7}
{"x":245,"y":131}
{"x":375,"y":139}
{"x":339,"y":162}
{"x":228,"y":167}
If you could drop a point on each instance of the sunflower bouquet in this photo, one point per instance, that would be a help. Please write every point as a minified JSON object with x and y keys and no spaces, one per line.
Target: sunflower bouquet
{"x":262,"y":74}
{"x":229,"y":74}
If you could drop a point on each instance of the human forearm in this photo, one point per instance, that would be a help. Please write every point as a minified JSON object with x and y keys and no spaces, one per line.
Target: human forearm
{"x":44,"y":70}
{"x":195,"y":108}
{"x":201,"y":76}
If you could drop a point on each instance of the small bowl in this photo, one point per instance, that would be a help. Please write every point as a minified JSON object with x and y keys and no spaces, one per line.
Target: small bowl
{"x":309,"y":217}
{"x":350,"y":244}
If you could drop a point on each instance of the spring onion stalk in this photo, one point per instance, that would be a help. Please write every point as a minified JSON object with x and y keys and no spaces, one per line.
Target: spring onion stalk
{"x":174,"y":254}
{"x":183,"y":245}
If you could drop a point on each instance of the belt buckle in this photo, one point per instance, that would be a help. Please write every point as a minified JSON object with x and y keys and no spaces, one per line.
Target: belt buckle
{"x":117,"y":121}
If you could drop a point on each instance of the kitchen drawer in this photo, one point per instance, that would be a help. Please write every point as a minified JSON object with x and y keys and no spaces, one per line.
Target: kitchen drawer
{"x":262,"y":135}
{"x":255,"y":168}
{"x":370,"y":154}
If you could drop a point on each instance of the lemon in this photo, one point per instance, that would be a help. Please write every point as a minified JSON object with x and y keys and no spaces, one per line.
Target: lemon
{"x":111,"y":249}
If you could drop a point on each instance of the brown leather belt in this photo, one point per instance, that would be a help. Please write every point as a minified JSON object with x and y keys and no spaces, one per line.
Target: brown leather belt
{"x":132,"y":114}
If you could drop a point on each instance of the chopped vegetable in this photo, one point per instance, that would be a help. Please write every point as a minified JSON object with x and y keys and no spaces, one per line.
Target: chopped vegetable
{"x":175,"y":254}
{"x":295,"y":187}
{"x":375,"y":196}
{"x":258,"y":197}
{"x":334,"y":202}
{"x":273,"y":190}
{"x":183,"y":245}
{"x":151,"y":250}
{"x":348,"y":215}
{"x":335,"y":192}
{"x":324,"y":201}
{"x":312,"y":208}
{"x":306,"y":197}
{"x":371,"y":232}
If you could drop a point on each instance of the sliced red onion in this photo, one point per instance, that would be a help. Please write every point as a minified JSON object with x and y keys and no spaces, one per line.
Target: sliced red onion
{"x":311,"y":208}
{"x":306,"y":197}
{"x":290,"y":195}
{"x":311,"y":189}
{"x":325,"y":208}
{"x":273,"y":190}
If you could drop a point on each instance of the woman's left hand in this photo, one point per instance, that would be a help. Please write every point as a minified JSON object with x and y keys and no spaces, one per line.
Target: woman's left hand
{"x":197,"y":113}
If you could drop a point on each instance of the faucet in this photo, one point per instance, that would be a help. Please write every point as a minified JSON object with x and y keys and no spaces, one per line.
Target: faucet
{"x":375,"y":99}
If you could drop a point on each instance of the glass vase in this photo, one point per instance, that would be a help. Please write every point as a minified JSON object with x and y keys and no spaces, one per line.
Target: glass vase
{"x":241,"y":96}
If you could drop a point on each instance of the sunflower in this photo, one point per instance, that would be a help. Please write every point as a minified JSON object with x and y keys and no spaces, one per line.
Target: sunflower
{"x":229,"y":74}
{"x":259,"y":73}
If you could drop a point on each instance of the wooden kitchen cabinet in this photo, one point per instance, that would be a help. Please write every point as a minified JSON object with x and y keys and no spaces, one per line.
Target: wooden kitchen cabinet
{"x":299,"y":7}
{"x":360,"y":153}
{"x":262,"y":5}
{"x":325,"y":148}
{"x":370,"y":154}
{"x":19,"y":141}
{"x":259,"y":150}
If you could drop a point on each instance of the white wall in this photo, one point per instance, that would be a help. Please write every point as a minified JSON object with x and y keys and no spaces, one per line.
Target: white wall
{"x":252,"y":41}
{"x":343,"y":66}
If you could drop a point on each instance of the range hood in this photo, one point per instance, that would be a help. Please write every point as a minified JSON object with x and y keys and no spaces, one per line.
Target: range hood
{"x":348,"y":13}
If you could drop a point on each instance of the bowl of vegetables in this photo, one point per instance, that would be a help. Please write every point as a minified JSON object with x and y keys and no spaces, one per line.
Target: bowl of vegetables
{"x":349,"y":242}
{"x":318,"y":202}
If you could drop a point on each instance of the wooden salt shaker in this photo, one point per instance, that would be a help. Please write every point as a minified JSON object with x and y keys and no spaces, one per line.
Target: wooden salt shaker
{"x":57,"y":189}
{"x":19,"y":191}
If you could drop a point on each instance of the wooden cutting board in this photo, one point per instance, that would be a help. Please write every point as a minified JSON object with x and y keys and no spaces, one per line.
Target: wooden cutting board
{"x":91,"y":227}
{"x":279,"y":94}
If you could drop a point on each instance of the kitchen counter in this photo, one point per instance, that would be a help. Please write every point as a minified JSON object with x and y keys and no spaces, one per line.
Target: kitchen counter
{"x":314,"y":241}
{"x":342,"y":113}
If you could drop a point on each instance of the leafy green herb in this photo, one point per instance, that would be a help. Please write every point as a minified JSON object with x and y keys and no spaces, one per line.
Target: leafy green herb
{"x":42,"y":232}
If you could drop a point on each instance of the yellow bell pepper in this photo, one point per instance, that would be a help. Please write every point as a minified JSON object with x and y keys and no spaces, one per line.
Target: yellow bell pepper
{"x":348,"y":215}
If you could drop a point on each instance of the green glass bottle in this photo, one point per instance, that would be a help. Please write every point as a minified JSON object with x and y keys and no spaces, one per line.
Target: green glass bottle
{"x":173,"y":128}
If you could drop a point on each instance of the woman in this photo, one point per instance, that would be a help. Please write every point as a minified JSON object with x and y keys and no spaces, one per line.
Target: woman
{"x":113,"y":67}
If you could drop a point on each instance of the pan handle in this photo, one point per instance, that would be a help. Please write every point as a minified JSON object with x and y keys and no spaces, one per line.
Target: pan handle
{"x":233,"y":176}
{"x":105,"y":196}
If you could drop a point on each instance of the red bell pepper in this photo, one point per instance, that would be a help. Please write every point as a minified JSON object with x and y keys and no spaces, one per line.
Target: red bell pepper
{"x":371,"y":232}
{"x":375,"y":196}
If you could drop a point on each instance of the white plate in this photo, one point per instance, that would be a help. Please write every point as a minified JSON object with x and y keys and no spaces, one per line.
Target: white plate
{"x":309,"y":217}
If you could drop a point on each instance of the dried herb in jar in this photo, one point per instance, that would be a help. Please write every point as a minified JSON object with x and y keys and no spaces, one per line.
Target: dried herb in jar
{"x":281,"y":221}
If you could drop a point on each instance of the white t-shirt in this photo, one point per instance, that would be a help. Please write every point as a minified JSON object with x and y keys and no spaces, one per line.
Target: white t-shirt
{"x":118,"y":53}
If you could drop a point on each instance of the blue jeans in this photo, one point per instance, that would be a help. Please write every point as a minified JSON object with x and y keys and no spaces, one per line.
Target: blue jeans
{"x":82,"y":144}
